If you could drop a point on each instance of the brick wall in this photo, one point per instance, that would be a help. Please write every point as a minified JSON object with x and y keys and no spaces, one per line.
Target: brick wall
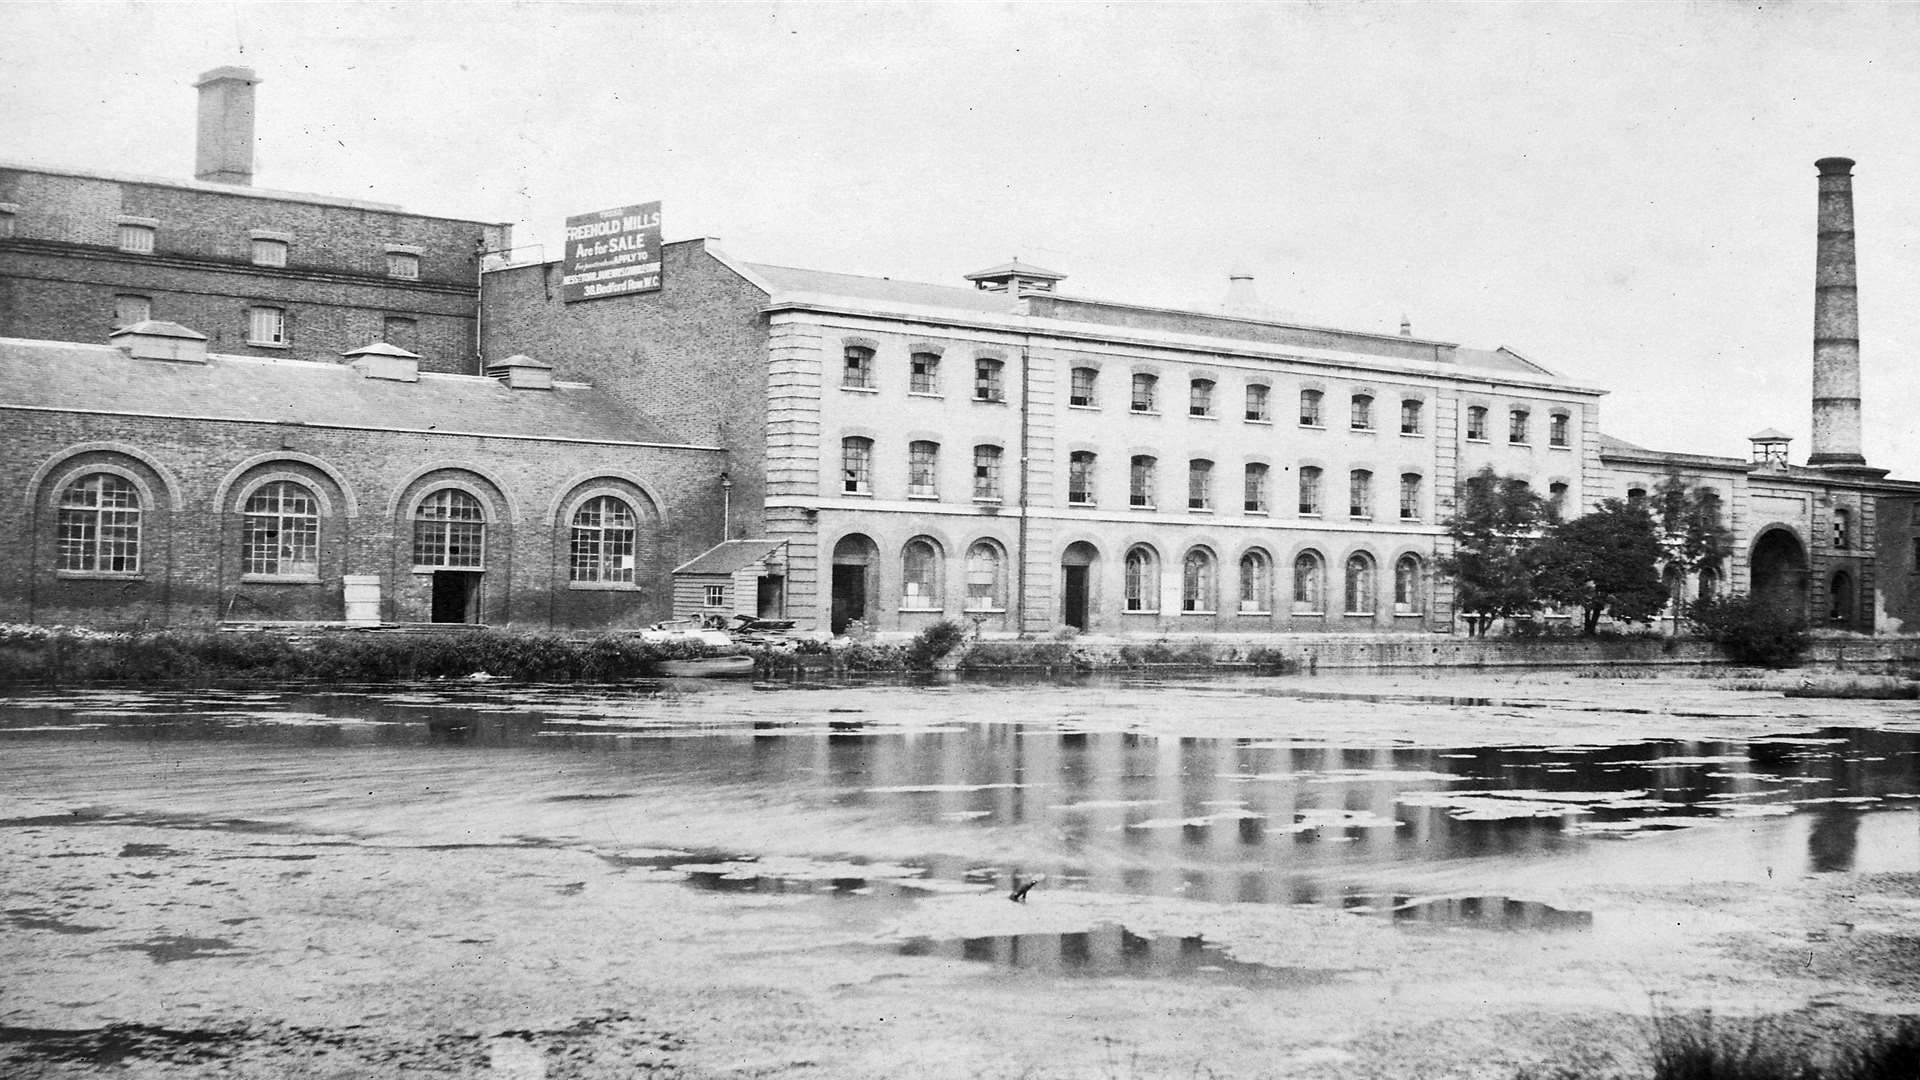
{"x":691,"y":357}
{"x":196,"y":474}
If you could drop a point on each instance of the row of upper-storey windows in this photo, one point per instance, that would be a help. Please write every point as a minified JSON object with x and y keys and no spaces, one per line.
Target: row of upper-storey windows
{"x":1083,"y":392}
{"x":1083,"y":481}
{"x":266,"y":248}
{"x":265,"y":325}
{"x":101,"y":520}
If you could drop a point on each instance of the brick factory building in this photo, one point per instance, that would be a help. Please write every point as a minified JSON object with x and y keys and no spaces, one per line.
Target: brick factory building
{"x":292,"y":422}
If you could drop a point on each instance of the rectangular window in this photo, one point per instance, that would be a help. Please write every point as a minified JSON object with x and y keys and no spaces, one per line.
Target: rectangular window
{"x":925,"y":373}
{"x":1517,"y":427}
{"x":1360,"y":494}
{"x":269,"y":252}
{"x":403,"y":264}
{"x":858,"y":372}
{"x":1309,"y":491}
{"x":1080,"y":478}
{"x":923,"y":468}
{"x":1309,"y":408}
{"x":1410,"y":497}
{"x":266,"y":326}
{"x":1477,"y":423}
{"x":1362,"y":413}
{"x":128,"y":310}
{"x":716,"y":596}
{"x":1140,"y":483}
{"x":1199,"y":484}
{"x":6,"y":224}
{"x":137,"y":239}
{"x":1081,"y":391}
{"x":856,"y":466}
{"x":986,"y":473}
{"x":1409,"y":417}
{"x":987,"y":385}
{"x":1256,"y":493}
{"x":1200,"y":398}
{"x":1143,"y":387}
{"x":1257,"y":403}
{"x":1557,"y":434}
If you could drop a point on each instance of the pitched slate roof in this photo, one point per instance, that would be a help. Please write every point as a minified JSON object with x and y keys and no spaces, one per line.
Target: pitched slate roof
{"x":74,"y":377}
{"x":730,"y":555}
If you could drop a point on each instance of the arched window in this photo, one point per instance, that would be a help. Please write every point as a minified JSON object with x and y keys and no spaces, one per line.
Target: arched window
{"x":924,"y":373}
{"x":1517,"y":426}
{"x":1143,"y":580}
{"x":1557,"y":430}
{"x":1309,"y":583}
{"x":1709,"y":583}
{"x":856,"y":465}
{"x":1199,"y":582}
{"x":1407,"y":585}
{"x":1309,"y":491}
{"x":1842,"y":529}
{"x":1081,"y":392}
{"x":1256,"y":582}
{"x":601,"y":543}
{"x":986,"y":577}
{"x":99,"y":525}
{"x":1256,"y":488}
{"x":923,"y":469}
{"x":450,"y":531}
{"x":920,"y":575}
{"x":280,"y":536}
{"x":1476,"y":423}
{"x":1360,"y":594}
{"x":1674,"y":578}
{"x":1080,"y":478}
{"x":1143,"y":389}
{"x":1310,"y":408}
{"x":1200,"y":398}
{"x":1140,"y":482}
{"x":1557,"y":498}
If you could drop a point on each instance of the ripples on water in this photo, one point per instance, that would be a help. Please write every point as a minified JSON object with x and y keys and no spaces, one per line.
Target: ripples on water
{"x":895,"y":792}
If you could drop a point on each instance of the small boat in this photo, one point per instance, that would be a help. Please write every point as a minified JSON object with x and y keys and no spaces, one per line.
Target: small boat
{"x":706,"y":667}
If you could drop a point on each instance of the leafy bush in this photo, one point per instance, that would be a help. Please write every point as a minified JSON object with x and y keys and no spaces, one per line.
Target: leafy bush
{"x":1751,"y":629}
{"x":1272,"y":660}
{"x":1017,"y":654}
{"x":934,"y":642}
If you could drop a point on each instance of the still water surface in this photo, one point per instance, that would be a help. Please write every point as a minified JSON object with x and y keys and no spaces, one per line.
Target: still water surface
{"x":1426,"y":812}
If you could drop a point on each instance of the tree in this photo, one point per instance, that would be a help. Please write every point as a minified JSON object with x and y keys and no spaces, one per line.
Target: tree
{"x":1606,"y":562}
{"x":1693,"y":536}
{"x":1496,"y":529}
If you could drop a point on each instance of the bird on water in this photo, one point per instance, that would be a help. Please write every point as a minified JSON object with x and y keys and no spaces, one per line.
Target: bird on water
{"x":1020,"y":889}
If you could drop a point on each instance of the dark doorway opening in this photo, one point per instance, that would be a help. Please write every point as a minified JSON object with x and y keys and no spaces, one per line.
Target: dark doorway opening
{"x":849,"y":596}
{"x":1780,"y":571}
{"x":771,"y":599}
{"x":1076,"y":584}
{"x":456,"y":596}
{"x":1841,"y":596}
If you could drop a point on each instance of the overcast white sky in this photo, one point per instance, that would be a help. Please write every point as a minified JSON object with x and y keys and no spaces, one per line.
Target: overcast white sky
{"x":1624,"y":192}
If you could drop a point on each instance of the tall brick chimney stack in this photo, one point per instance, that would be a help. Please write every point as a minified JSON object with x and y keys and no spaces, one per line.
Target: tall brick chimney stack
{"x":1836,"y":324}
{"x":224,"y":154}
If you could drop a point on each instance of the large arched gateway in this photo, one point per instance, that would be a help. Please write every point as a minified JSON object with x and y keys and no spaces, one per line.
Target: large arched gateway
{"x":855,"y":562}
{"x":1780,"y":569}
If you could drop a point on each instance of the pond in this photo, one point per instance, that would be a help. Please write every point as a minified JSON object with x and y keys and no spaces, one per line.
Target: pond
{"x":1411,"y":805}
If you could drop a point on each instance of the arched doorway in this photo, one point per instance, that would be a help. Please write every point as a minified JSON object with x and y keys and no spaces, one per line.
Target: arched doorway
{"x":856,"y":560}
{"x":1076,"y":584}
{"x":1780,"y":569}
{"x":1840,"y":599}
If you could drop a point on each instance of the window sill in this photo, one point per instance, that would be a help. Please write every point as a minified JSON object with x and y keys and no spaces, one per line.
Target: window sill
{"x":934,"y":394}
{"x":1143,"y":412}
{"x":983,"y":611}
{"x":1262,"y":612}
{"x":450,"y":569}
{"x":1260,"y":420}
{"x":1483,"y":439}
{"x":984,"y":500}
{"x":1200,"y":611}
{"x":269,"y":345}
{"x":1312,"y":514}
{"x":280,"y":579}
{"x":1409,"y":614}
{"x":1199,"y":509}
{"x":1202,"y":416}
{"x":1405,"y":520}
{"x":1413,"y":434}
{"x":1150,"y":506}
{"x":1309,"y":614}
{"x":1314,"y":427}
{"x":1358,"y":614}
{"x":1141,"y":611}
{"x":924,"y":496}
{"x":1362,"y":430}
{"x":859,"y":389}
{"x":989,"y":401}
{"x":1082,"y":504}
{"x":1559,"y":446}
{"x":857,"y":494}
{"x":927,"y":610}
{"x":1521,"y":445}
{"x":1359,"y":517}
{"x":99,"y":575}
{"x":609,"y":586}
{"x":1083,"y":408}
{"x":1250,"y":512}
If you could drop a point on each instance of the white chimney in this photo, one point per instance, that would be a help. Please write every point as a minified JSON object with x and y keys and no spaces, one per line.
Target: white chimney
{"x":224,"y":154}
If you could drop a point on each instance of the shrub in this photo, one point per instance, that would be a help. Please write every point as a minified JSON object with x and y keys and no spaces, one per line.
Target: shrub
{"x":1751,"y":629}
{"x":934,"y":642}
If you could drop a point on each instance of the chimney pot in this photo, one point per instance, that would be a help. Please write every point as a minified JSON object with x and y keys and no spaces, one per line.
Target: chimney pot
{"x":224,"y":153}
